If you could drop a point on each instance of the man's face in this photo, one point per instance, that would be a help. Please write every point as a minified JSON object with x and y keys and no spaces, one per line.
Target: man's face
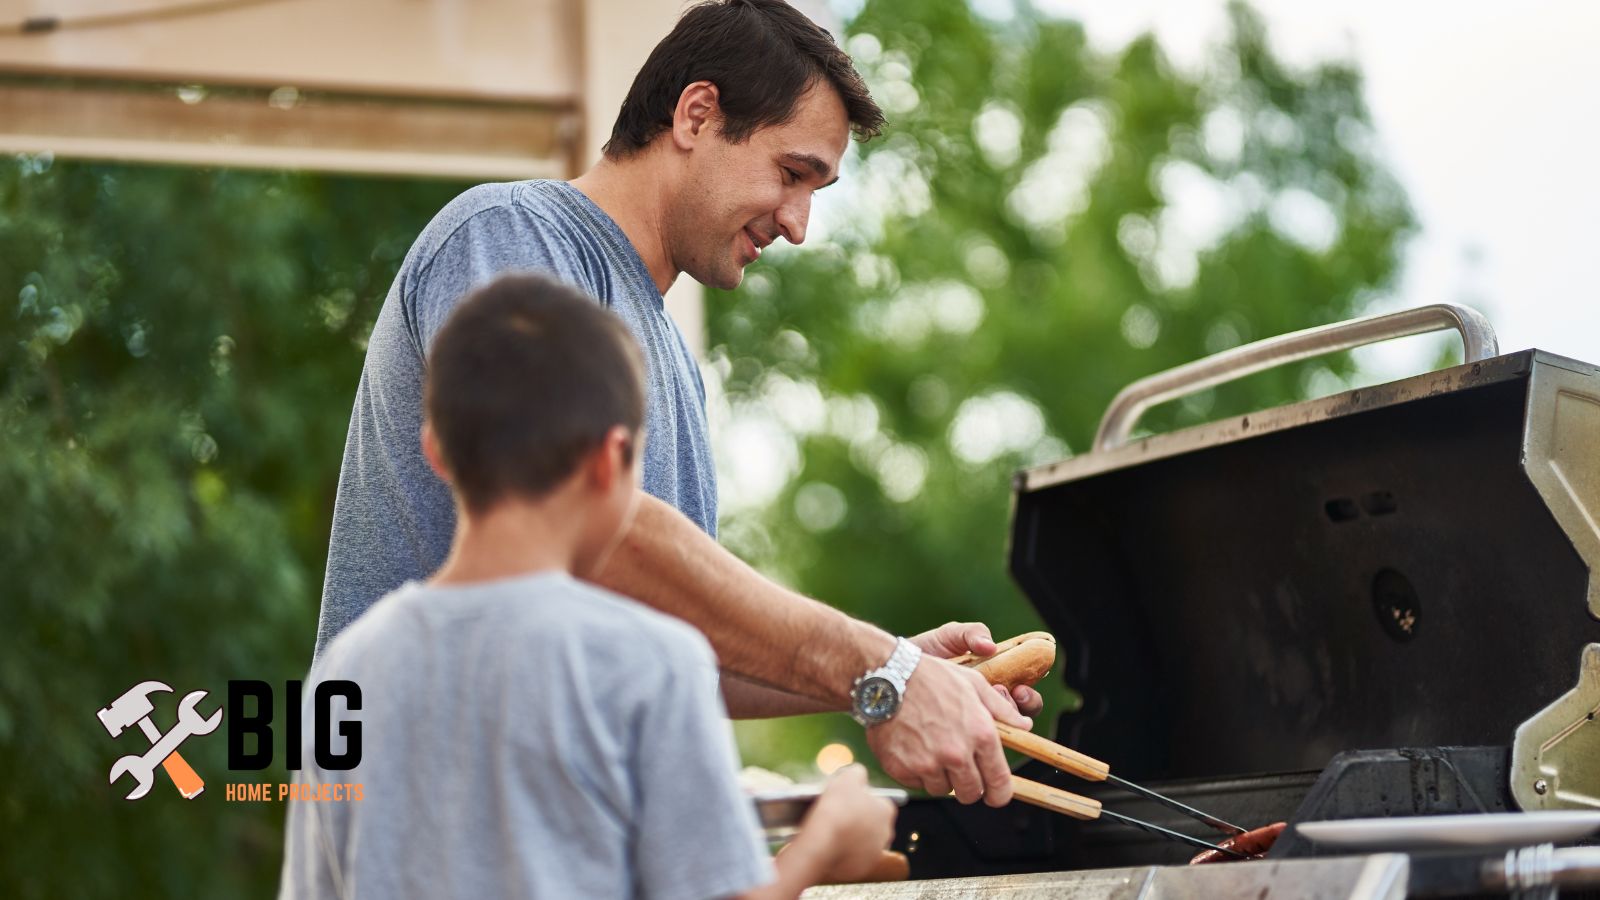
{"x":740,"y":197}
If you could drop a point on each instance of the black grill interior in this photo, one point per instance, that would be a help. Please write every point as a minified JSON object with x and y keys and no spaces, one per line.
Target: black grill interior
{"x":1388,"y":578}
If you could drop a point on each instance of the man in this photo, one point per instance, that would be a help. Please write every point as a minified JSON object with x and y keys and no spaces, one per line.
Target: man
{"x":737,"y":117}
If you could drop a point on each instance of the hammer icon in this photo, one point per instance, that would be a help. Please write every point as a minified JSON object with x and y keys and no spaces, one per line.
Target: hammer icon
{"x":134,"y":707}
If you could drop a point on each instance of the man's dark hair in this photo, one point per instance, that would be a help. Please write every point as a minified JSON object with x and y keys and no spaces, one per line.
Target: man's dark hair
{"x":525,"y":378}
{"x":761,"y":54}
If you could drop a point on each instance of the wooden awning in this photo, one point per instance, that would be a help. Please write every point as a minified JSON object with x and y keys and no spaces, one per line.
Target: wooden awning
{"x":460,"y":88}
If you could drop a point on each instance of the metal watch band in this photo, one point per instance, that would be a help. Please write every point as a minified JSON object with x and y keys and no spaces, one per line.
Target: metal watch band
{"x":897,"y":671}
{"x":902,"y":663}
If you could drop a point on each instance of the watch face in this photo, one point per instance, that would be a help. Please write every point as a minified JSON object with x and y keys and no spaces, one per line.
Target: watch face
{"x":877,"y":698}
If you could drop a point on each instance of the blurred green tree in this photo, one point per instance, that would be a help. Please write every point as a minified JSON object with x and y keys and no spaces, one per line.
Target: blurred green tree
{"x":1042,"y":224}
{"x":176,"y":372}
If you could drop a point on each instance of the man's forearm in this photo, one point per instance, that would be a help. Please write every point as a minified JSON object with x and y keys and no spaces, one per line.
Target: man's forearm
{"x":747,"y":700}
{"x":759,"y":629}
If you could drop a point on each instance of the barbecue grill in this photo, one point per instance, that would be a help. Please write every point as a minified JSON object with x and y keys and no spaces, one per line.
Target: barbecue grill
{"x":1375,"y":604}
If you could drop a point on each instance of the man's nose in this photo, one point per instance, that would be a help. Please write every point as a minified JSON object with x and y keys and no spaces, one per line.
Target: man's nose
{"x":792,"y":218}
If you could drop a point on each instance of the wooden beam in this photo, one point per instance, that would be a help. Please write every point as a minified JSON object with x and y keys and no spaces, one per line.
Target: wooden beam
{"x":287,"y":129}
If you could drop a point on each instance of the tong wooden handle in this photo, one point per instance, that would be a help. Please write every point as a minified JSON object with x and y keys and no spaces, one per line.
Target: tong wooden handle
{"x":1090,"y":769}
{"x":1063,"y":758}
{"x":1023,"y":659}
{"x":1055,"y":799}
{"x":972,"y":659}
{"x":1047,"y":751}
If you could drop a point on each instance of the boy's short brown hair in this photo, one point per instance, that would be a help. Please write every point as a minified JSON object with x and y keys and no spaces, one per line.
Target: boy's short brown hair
{"x":524,"y":380}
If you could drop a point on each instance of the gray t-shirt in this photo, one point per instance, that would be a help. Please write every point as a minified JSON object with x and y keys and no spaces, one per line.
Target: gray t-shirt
{"x":393,"y":518}
{"x":532,"y":737}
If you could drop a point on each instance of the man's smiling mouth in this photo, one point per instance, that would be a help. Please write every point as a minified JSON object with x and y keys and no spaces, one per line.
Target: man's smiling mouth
{"x":757,"y":243}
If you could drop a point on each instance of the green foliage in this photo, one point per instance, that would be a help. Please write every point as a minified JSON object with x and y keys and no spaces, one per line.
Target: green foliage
{"x":991,"y":323}
{"x":177,"y":358}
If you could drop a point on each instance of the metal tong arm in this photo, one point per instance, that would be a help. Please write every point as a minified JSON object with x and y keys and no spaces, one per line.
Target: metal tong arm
{"x":1090,"y":769}
{"x":1477,"y":339}
{"x":1087,"y":808}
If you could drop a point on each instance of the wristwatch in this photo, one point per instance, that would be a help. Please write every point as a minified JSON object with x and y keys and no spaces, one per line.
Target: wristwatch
{"x":876,"y":696}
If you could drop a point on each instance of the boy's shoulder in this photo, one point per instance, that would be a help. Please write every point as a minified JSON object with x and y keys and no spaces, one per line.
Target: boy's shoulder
{"x":609,"y":614}
{"x":535,"y":611}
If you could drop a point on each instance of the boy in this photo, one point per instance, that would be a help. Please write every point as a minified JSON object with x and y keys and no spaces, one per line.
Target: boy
{"x":525,"y":733}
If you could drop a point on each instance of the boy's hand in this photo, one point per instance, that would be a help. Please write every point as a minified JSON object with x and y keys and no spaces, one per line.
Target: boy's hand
{"x":856,"y":825}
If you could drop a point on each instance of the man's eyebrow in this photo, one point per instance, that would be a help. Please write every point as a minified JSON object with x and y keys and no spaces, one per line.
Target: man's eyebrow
{"x":822,"y":169}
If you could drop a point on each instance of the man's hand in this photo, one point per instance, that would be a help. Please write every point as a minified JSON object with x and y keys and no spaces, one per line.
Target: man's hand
{"x":956,"y":638}
{"x":943,"y":738}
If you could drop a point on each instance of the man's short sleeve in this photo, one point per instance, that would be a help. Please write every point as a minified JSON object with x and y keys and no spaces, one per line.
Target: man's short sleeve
{"x":697,"y":832}
{"x":500,"y":238}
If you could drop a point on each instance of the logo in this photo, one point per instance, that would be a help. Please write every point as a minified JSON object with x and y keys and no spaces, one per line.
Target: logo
{"x":134,"y":708}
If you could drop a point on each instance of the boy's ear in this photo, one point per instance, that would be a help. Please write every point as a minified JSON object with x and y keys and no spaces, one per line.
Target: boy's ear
{"x":430,"y":449}
{"x":613,"y":459}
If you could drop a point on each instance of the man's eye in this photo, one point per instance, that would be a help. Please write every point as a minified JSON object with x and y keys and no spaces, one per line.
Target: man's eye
{"x":790,"y":176}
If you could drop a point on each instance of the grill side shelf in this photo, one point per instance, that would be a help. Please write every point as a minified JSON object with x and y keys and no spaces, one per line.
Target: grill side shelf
{"x":1361,"y":784}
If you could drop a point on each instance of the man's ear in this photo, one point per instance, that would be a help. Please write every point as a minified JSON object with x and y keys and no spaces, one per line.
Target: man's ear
{"x":697,"y":114}
{"x":430,"y":449}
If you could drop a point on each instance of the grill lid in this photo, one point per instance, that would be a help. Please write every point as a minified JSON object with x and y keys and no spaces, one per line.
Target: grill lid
{"x":1403,"y":565}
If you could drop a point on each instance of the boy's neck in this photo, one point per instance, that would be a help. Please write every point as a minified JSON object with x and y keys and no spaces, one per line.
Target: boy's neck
{"x":511,"y":539}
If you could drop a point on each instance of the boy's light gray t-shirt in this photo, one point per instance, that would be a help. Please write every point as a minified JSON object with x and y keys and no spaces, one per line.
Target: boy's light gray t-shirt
{"x":393,"y":518}
{"x":534,"y":737}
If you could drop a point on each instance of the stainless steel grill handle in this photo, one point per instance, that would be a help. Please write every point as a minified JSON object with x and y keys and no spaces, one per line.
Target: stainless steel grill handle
{"x":1477,"y":338}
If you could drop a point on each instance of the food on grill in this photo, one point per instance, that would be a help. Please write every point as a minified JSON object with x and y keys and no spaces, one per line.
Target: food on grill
{"x":1254,"y":844}
{"x":1025,"y":663}
{"x":755,"y":780}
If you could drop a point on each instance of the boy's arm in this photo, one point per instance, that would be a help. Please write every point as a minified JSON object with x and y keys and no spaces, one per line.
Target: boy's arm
{"x":943,"y":738}
{"x":801,"y":865}
{"x":693,"y":830}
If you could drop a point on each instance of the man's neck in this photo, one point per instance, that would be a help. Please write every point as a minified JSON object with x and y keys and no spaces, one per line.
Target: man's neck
{"x":634,"y":195}
{"x":512,"y":539}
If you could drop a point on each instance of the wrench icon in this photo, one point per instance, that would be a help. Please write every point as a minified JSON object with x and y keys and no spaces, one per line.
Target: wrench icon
{"x":143,"y":766}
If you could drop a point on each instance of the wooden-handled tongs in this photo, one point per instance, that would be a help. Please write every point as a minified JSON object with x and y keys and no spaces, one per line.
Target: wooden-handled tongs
{"x":1079,"y":807}
{"x":1024,"y":660}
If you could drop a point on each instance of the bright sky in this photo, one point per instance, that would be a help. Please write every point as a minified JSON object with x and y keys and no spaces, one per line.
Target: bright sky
{"x":1490,"y":115}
